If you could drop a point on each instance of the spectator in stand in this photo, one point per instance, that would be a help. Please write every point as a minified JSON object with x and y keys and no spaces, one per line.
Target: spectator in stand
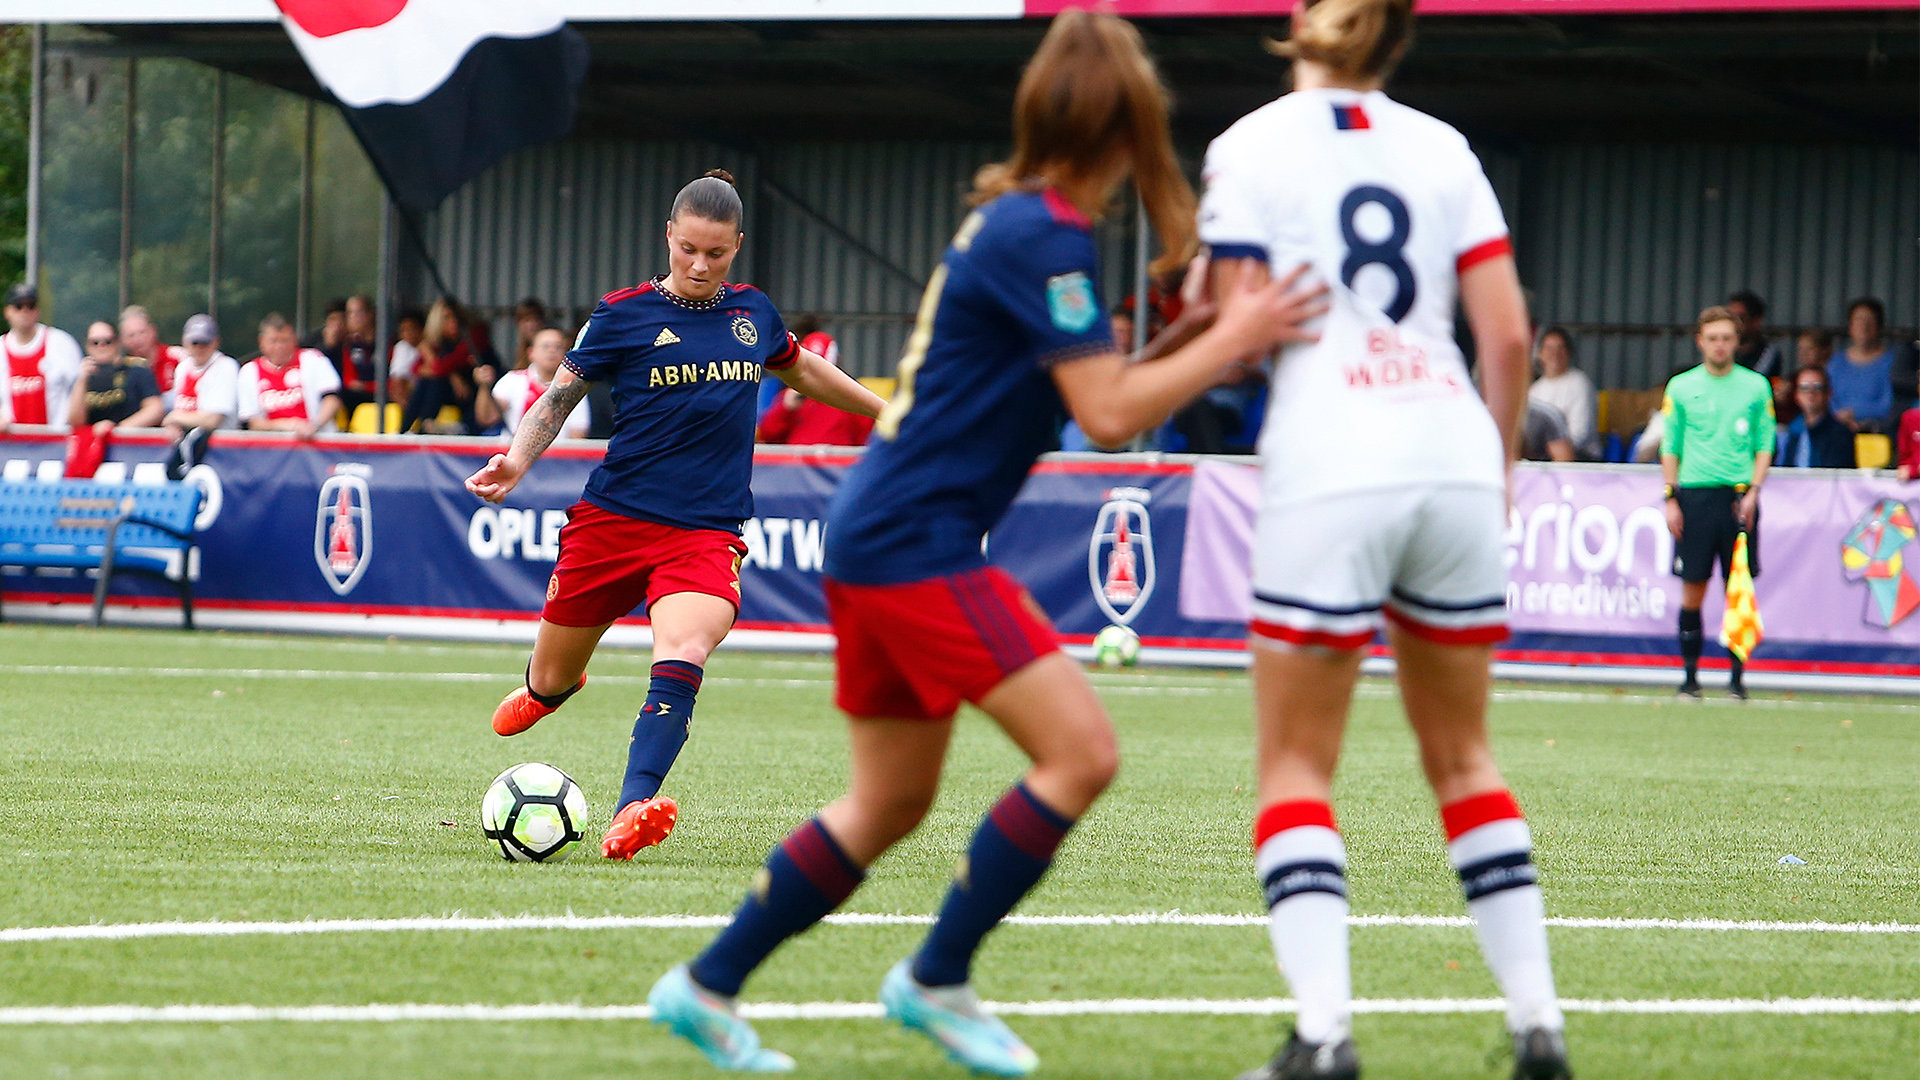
{"x":288,"y":388}
{"x":1755,"y":351}
{"x":1121,"y":322}
{"x":1816,"y":439}
{"x":206,"y":386}
{"x":1813,"y":348}
{"x":332,"y":326}
{"x":1544,"y":435}
{"x":141,"y":341}
{"x":1567,"y":389}
{"x":1862,"y":374}
{"x":113,"y":390}
{"x":1907,"y":449}
{"x":801,"y":421}
{"x":41,"y":365}
{"x":516,"y":391}
{"x":351,"y":353}
{"x":404,"y":357}
{"x":529,"y":318}
{"x":1226,"y":418}
{"x":450,"y":348}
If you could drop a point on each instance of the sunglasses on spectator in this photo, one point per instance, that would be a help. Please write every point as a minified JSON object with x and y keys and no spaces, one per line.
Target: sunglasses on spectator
{"x":1811,"y":388}
{"x":100,"y":341}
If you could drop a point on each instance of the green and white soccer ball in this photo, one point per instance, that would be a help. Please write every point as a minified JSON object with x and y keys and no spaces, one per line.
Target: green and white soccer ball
{"x":1116,"y":646}
{"x":534,"y":812}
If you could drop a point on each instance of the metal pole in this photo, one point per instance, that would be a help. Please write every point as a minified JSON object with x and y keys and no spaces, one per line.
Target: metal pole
{"x":303,"y":275}
{"x":218,"y":170}
{"x":383,"y":312}
{"x":126,"y":185}
{"x":36,"y":133}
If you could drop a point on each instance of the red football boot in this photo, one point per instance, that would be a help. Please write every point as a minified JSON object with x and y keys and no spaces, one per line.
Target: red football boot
{"x":518,"y":711}
{"x":639,"y":825}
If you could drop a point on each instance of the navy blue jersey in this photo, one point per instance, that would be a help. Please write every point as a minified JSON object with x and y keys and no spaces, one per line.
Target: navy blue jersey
{"x":976,"y":405}
{"x":683,"y":376}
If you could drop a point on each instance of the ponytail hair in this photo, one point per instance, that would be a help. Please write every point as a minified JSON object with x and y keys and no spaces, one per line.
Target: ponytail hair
{"x":1356,"y":38}
{"x":713,"y":197}
{"x":1091,"y":91}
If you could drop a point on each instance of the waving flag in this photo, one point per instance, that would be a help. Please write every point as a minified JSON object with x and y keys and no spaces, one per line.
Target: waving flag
{"x":1740,"y":629}
{"x":439,"y":90}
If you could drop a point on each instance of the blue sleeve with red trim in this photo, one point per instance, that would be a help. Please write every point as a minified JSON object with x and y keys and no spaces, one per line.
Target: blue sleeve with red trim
{"x":1049,"y":286}
{"x":783,"y":349}
{"x":600,"y":348}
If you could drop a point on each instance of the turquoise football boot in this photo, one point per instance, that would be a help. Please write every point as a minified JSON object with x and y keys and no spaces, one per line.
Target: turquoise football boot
{"x":709,"y":1022}
{"x":951,"y":1016}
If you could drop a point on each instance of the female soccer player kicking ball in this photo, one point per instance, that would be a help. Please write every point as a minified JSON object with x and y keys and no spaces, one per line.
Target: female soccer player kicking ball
{"x":1011,"y":325}
{"x":660,"y":519}
{"x":1384,"y":494}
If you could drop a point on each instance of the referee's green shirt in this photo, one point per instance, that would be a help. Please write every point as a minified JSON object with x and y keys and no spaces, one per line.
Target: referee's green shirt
{"x":1716,"y":424}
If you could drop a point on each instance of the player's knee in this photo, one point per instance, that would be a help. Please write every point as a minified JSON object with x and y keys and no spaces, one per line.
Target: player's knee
{"x":1087,"y":772}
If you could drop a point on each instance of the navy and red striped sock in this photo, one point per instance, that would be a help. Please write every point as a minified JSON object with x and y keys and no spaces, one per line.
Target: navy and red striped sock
{"x":1492,"y":849}
{"x":806,"y":877}
{"x":660,"y":730}
{"x":1010,"y":853}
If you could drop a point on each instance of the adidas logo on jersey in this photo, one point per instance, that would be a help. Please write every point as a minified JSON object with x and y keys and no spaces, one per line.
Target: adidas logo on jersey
{"x":667,"y":337}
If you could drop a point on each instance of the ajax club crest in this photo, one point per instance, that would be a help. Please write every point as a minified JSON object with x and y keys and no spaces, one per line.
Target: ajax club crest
{"x":1120,"y":557}
{"x":343,"y":528}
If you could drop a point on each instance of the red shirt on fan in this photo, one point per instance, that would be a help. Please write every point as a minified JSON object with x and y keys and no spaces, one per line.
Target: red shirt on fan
{"x":39,"y":377}
{"x":287,"y":393}
{"x":811,"y":423}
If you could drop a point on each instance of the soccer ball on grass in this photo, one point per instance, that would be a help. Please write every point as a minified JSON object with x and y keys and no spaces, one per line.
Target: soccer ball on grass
{"x":533,"y":811}
{"x":1116,"y":646}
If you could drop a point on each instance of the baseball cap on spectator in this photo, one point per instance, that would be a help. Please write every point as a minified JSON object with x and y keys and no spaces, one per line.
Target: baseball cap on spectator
{"x":23,"y":295}
{"x":200,"y":330}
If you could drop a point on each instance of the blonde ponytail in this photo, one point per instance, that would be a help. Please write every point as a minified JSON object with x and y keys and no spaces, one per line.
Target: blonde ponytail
{"x":1355,"y":38}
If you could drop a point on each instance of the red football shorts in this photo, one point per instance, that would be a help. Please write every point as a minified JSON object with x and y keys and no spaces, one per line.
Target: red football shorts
{"x":916,"y":650}
{"x":610,"y":563}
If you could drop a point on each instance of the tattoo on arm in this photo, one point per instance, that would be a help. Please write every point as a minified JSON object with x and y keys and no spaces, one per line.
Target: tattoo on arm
{"x":544,"y":422}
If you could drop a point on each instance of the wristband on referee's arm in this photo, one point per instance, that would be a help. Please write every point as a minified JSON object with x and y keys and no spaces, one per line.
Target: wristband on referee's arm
{"x":1666,"y":493}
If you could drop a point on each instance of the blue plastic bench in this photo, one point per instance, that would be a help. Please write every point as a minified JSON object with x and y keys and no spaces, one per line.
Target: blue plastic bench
{"x":111,"y":528}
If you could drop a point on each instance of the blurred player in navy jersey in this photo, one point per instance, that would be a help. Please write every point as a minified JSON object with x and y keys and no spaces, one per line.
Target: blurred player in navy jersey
{"x":1011,"y":326}
{"x":1384,"y":500}
{"x":660,"y":520}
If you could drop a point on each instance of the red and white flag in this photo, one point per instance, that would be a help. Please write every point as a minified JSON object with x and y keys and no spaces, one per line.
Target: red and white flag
{"x":439,"y":90}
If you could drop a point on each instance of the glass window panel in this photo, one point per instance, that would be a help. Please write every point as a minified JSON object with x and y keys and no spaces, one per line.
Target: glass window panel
{"x":86,"y":102}
{"x":346,"y":215}
{"x":172,"y":190}
{"x":260,"y":211}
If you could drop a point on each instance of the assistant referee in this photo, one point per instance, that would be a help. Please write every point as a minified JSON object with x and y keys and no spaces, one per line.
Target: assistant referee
{"x":1715,"y":453}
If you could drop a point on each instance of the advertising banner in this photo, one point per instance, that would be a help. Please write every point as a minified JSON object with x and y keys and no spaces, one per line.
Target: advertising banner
{"x":363,"y":526}
{"x":1590,"y":562}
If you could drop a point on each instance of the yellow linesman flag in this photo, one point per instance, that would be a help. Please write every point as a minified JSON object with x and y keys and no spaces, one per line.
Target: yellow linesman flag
{"x":1741,"y":629}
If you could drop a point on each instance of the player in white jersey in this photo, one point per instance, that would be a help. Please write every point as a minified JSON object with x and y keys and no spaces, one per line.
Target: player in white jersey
{"x":1384,"y":498}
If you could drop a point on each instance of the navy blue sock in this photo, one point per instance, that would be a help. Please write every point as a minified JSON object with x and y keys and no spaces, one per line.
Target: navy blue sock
{"x":660,"y":730}
{"x":806,"y":877}
{"x":1692,"y":637}
{"x":1010,"y":853}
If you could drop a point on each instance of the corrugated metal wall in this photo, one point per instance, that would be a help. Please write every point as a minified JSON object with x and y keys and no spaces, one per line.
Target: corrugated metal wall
{"x":1627,"y":243}
{"x":847,"y":231}
{"x":1623,"y":243}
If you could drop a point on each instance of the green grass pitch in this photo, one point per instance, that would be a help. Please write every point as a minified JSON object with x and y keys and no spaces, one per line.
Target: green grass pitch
{"x":159,"y":777}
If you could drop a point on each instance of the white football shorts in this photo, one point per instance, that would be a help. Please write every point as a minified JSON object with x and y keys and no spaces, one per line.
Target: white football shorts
{"x":1325,"y":570}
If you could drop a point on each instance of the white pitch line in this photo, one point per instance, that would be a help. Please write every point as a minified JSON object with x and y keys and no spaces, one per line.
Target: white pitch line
{"x":126,"y":931}
{"x":1106,"y":684}
{"x":861,"y":1010}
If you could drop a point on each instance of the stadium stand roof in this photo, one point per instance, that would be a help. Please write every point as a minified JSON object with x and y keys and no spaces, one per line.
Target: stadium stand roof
{"x":1826,"y":75}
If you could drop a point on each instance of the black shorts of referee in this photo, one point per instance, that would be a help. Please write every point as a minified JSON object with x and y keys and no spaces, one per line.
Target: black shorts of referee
{"x":1708,"y":528}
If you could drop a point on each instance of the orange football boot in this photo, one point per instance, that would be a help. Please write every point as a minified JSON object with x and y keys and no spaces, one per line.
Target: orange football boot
{"x":518,"y":711}
{"x":639,"y":825}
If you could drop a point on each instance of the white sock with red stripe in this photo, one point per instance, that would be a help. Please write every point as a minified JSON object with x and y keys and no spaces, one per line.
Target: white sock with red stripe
{"x":1302,"y":865}
{"x":1491,"y":847}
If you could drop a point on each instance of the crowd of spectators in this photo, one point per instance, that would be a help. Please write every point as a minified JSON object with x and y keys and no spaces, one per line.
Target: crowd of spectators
{"x":444,"y":376}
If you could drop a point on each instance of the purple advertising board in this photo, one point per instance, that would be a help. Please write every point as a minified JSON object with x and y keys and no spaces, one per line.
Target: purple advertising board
{"x":1590,"y":564}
